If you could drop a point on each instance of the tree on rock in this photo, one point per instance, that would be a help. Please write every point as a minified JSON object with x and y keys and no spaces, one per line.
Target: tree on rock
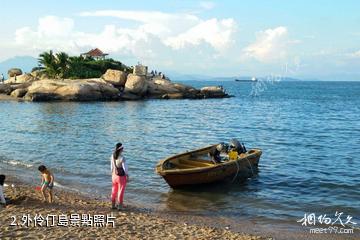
{"x":56,"y":65}
{"x":61,"y":65}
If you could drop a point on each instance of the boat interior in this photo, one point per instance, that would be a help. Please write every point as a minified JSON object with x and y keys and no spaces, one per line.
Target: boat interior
{"x":189,"y":161}
{"x":192,"y":163}
{"x":195,"y":160}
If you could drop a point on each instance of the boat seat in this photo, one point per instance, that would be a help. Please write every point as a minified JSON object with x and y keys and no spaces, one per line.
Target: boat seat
{"x":184,"y":166}
{"x":197,"y":163}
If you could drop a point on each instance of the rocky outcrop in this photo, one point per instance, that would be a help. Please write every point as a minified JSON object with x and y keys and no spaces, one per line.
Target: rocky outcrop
{"x":161,"y":87}
{"x":24,"y":85}
{"x":8,"y":89}
{"x":213,"y":92}
{"x":20,"y":78}
{"x":173,"y":96}
{"x":183,"y":88}
{"x":37,"y":73}
{"x":137,"y":85}
{"x":115,"y":77}
{"x":130,"y":96}
{"x":19,"y":93}
{"x":14,"y":72}
{"x":5,"y":89}
{"x":98,"y":89}
{"x":72,"y":90}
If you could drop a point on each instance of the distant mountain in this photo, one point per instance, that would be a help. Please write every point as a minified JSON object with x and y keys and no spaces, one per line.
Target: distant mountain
{"x":198,"y":77}
{"x":290,"y":79}
{"x":176,"y":76}
{"x":264,"y":78}
{"x":25,"y":63}
{"x":231,"y":78}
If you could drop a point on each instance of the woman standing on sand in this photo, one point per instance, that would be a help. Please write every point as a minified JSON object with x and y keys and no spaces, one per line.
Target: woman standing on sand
{"x":119,"y":172}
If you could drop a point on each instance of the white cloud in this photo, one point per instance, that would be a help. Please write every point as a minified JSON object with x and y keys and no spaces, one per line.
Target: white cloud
{"x":270,"y":45}
{"x":217,"y":33}
{"x":52,"y":26}
{"x":173,"y":31}
{"x":52,"y":33}
{"x":153,"y":22}
{"x":176,"y":30}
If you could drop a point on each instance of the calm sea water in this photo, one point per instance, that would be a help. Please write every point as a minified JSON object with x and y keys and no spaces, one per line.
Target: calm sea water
{"x":309,"y":133}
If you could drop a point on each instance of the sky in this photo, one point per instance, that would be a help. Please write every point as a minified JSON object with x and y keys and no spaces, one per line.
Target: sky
{"x":300,"y":39}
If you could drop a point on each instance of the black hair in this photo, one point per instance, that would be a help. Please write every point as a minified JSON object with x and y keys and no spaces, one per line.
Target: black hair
{"x":2,"y":179}
{"x":117,"y":150}
{"x":41,"y":168}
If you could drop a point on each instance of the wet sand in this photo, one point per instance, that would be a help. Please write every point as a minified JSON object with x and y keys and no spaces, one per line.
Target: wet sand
{"x":130,"y":223}
{"x":69,"y":208}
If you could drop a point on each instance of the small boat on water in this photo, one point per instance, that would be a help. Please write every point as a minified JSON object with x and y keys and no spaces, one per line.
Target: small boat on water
{"x":253,"y":79}
{"x":196,"y":167}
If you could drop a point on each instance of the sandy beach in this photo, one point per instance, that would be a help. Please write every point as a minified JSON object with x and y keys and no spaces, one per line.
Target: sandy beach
{"x":207,"y":119}
{"x":73,"y":216}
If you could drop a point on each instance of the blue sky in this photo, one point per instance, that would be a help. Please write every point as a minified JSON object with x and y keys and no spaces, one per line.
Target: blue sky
{"x":304,"y":39}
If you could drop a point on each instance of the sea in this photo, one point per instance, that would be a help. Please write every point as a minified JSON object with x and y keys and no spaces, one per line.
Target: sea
{"x":309,"y":132}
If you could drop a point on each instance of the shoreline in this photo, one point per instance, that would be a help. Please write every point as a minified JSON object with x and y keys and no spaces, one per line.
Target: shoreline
{"x":4,"y":97}
{"x":132,"y":222}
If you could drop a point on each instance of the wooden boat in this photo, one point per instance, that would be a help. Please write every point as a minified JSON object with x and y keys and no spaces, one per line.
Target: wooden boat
{"x":195,"y":167}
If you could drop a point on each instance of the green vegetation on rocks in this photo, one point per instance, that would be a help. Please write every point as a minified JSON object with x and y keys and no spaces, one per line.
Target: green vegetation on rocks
{"x":61,"y":65}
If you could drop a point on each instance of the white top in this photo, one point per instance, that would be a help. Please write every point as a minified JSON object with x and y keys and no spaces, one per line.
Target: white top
{"x":118,"y":161}
{"x":2,"y":197}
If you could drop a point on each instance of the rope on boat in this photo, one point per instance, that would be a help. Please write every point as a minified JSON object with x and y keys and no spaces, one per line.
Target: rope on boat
{"x":252,"y":171}
{"x":238,"y":169}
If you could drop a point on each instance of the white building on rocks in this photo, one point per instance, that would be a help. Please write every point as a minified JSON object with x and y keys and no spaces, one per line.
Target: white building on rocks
{"x":140,"y":70}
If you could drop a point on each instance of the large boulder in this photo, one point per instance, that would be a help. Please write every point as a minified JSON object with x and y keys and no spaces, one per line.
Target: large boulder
{"x":159,"y":87}
{"x":19,"y":93}
{"x":19,"y":90}
{"x":5,"y":89}
{"x":24,"y":85}
{"x":168,"y":90}
{"x":72,"y":90}
{"x":137,"y":85}
{"x":14,"y":72}
{"x":173,"y":96}
{"x":115,"y":77}
{"x":20,"y":78}
{"x":38,"y":73}
{"x":213,"y":92}
{"x":183,"y":88}
{"x":129,"y":96}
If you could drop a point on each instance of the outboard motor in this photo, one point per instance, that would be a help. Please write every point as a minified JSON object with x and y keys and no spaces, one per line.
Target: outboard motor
{"x":235,"y":144}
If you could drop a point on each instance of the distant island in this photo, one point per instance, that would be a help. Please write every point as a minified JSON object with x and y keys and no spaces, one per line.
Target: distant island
{"x":92,"y":76}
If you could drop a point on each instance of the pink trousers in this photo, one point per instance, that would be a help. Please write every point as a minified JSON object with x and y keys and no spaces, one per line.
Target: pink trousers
{"x":118,"y":188}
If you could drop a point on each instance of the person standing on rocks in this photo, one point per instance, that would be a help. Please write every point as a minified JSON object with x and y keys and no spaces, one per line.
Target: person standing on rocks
{"x":2,"y":78}
{"x":119,"y":172}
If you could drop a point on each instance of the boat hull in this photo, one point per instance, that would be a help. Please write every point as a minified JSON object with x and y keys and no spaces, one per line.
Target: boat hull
{"x":243,"y":168}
